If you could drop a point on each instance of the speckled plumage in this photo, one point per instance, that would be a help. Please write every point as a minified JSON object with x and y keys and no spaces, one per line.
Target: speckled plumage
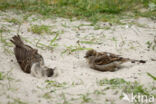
{"x":27,"y":57}
{"x":105,"y":61}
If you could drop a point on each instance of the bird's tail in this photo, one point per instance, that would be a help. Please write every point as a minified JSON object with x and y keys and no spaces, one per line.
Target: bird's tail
{"x":132,"y":60}
{"x":17,"y":41}
{"x":138,"y":61}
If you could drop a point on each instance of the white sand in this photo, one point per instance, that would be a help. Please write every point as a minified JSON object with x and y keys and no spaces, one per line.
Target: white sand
{"x":131,"y":43}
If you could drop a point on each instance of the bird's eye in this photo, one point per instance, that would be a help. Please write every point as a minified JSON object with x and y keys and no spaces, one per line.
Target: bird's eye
{"x":90,"y":55}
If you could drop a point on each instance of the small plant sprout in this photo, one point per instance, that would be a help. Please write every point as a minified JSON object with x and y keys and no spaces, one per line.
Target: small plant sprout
{"x":85,"y":98}
{"x":51,"y":83}
{"x":47,"y":95}
{"x":151,"y":44}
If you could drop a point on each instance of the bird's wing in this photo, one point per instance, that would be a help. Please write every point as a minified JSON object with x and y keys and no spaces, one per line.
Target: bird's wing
{"x":106,"y":58}
{"x":25,"y":55}
{"x":25,"y":52}
{"x":108,"y":54}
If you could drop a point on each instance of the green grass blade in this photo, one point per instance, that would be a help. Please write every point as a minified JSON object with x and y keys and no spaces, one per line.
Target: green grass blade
{"x":54,"y":39}
{"x":153,"y":77}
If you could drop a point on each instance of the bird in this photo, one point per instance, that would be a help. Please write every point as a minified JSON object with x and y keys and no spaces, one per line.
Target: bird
{"x":105,"y":61}
{"x":29,"y":60}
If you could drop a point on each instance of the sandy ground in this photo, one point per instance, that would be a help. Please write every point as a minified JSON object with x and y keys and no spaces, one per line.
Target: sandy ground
{"x":75,"y":78}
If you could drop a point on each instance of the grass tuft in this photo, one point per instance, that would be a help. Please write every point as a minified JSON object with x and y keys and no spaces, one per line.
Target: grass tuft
{"x":125,"y":86}
{"x":40,"y":29}
{"x":70,"y":49}
{"x":13,"y":20}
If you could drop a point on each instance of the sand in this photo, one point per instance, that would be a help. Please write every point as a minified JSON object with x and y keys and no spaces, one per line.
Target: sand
{"x":78,"y":82}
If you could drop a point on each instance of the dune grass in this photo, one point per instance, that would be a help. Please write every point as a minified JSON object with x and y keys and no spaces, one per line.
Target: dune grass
{"x":92,"y":10}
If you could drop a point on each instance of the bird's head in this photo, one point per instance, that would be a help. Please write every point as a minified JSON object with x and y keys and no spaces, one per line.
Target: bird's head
{"x":40,"y":70}
{"x":48,"y":72}
{"x":90,"y":53}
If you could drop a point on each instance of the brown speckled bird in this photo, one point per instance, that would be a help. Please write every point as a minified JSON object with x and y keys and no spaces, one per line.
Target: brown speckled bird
{"x":29,"y":59}
{"x":105,"y":61}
